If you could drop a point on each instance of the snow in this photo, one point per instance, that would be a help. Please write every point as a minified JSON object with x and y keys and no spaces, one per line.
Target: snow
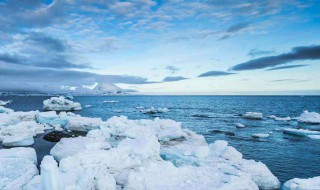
{"x":260,"y":135}
{"x":60,"y":104}
{"x":253,"y":115}
{"x":309,"y":117}
{"x":153,"y":110}
{"x":151,"y":154}
{"x":3,"y":103}
{"x":302,"y":184}
{"x":5,"y":110}
{"x":239,"y":125}
{"x":17,"y":167}
{"x":300,"y":132}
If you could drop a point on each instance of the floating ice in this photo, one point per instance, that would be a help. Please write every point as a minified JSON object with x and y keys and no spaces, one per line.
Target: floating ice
{"x":153,"y":110}
{"x":253,"y":115}
{"x":22,"y":140}
{"x":260,"y":135}
{"x":17,"y":167}
{"x":314,"y":136}
{"x":50,"y":118}
{"x":140,"y":107}
{"x":3,"y":103}
{"x":300,"y":132}
{"x":110,"y":101}
{"x":279,"y":118}
{"x":5,"y":110}
{"x":239,"y":125}
{"x":302,"y":184}
{"x":88,"y":106}
{"x":309,"y":117}
{"x":78,"y":123}
{"x":125,"y":154}
{"x":69,"y":96}
{"x":60,"y":104}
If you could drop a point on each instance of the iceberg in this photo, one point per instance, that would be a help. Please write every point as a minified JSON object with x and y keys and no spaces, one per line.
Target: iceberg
{"x":253,"y":115}
{"x":309,"y":117}
{"x":17,"y":167}
{"x":300,"y":132}
{"x":3,"y":103}
{"x":302,"y":184}
{"x":50,"y":118}
{"x":60,"y":104}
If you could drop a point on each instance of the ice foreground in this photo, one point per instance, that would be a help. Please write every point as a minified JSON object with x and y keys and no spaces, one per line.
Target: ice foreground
{"x":60,"y":104}
{"x":309,"y":117}
{"x":302,"y":184}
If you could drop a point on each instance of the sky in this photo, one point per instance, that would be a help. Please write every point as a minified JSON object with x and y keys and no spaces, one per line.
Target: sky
{"x":196,"y":47}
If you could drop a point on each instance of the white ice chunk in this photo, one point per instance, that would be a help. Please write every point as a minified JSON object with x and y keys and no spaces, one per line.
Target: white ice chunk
{"x":19,"y":152}
{"x":50,"y":118}
{"x":3,"y":103}
{"x":34,"y":184}
{"x":302,"y":184}
{"x":253,"y":115}
{"x":153,"y":110}
{"x":314,"y":136}
{"x":309,"y":117}
{"x":60,"y":104}
{"x":22,"y":140}
{"x":240,"y":125}
{"x":50,"y":176}
{"x":300,"y":132}
{"x":5,"y":110}
{"x":260,"y":135}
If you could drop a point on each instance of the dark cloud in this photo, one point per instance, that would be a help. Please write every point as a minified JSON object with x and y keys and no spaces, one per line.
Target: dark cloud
{"x":172,"y":68}
{"x":38,"y":78}
{"x":47,"y":42}
{"x":171,"y":79}
{"x":215,"y":74}
{"x":285,"y":67}
{"x":297,"y":54}
{"x":257,"y":52}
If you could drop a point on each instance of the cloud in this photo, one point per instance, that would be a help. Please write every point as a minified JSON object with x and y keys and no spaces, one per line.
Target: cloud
{"x":301,"y":53}
{"x":257,"y":52}
{"x":290,"y":80}
{"x":175,"y":78}
{"x":215,"y":74}
{"x":234,"y":29}
{"x":23,"y":78}
{"x":172,"y":68}
{"x":285,"y":67}
{"x":47,"y":42}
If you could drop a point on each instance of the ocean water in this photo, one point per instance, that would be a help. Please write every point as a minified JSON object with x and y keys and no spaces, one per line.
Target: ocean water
{"x":212,"y":116}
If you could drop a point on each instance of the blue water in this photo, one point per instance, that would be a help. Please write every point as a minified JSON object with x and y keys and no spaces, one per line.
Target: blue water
{"x":286,"y":156}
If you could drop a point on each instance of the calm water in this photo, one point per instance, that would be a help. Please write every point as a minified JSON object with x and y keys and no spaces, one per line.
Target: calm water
{"x":286,"y":156}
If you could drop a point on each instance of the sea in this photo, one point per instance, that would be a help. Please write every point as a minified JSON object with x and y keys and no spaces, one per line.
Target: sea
{"x":215,"y":117}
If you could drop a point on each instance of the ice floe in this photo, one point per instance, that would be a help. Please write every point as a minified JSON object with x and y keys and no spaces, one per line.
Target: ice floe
{"x":300,"y":132}
{"x":151,"y":154}
{"x":110,"y":101}
{"x":5,"y":110}
{"x":302,"y":184}
{"x":309,"y":117}
{"x":253,"y":115}
{"x":153,"y":110}
{"x":3,"y":103}
{"x":240,"y":125}
{"x":61,"y":104}
{"x":18,"y":167}
{"x":279,"y":118}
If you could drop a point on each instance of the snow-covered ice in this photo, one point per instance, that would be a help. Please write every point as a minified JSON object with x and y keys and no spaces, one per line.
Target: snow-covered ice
{"x":17,"y":167}
{"x":260,"y":135}
{"x":253,"y":115}
{"x":61,"y":104}
{"x":300,"y":132}
{"x":77,"y":123}
{"x":302,"y":184}
{"x":309,"y":117}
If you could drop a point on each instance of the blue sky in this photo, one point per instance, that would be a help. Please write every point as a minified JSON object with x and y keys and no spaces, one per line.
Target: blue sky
{"x":162,"y":47}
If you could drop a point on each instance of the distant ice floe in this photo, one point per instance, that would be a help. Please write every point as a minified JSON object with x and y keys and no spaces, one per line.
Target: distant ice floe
{"x":240,"y":125}
{"x":153,"y":110}
{"x":61,"y":104}
{"x":140,"y":107}
{"x":279,"y":118}
{"x":88,"y":106}
{"x":260,"y":135}
{"x":302,"y":133}
{"x":302,"y":184}
{"x":309,"y":117}
{"x":111,"y":101}
{"x":253,"y":115}
{"x":3,"y":103}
